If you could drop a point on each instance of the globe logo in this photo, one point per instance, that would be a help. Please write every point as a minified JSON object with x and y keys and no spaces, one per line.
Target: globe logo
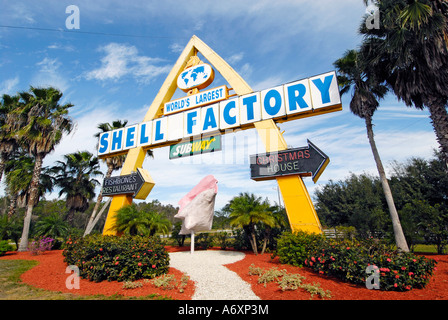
{"x":199,"y":76}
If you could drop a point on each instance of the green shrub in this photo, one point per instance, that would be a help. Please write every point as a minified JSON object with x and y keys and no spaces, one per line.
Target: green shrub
{"x":4,"y":247}
{"x":287,"y":281}
{"x":222,"y":239}
{"x":122,"y":258}
{"x":348,"y":260}
{"x":203,"y":241}
{"x":293,"y":248}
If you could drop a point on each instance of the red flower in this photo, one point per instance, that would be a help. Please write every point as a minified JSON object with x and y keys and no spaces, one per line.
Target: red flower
{"x":397,"y":276}
{"x":153,"y":266}
{"x":403,"y":268}
{"x":312,"y":259}
{"x":395,"y":285}
{"x":116,"y":263}
{"x":139,"y":264}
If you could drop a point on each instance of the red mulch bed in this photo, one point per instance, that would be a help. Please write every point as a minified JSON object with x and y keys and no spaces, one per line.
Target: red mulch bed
{"x":50,"y":275}
{"x":437,"y":288}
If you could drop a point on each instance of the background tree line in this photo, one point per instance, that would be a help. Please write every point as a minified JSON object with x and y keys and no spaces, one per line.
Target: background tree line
{"x":420,"y":189}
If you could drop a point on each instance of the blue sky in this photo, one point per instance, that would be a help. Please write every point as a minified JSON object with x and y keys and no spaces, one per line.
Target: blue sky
{"x":114,"y":65}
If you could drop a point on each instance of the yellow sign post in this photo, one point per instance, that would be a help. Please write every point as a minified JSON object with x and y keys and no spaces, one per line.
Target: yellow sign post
{"x":300,"y":99}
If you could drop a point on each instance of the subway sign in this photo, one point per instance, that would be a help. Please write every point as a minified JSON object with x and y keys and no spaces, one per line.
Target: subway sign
{"x":190,"y":148}
{"x":215,"y":111}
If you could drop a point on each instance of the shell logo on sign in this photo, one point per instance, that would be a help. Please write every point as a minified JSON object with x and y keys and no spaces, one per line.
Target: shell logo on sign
{"x":199,"y":76}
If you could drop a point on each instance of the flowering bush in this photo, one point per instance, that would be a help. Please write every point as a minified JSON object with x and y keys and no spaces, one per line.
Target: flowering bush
{"x":122,"y":258}
{"x":40,"y":245}
{"x":348,"y":260}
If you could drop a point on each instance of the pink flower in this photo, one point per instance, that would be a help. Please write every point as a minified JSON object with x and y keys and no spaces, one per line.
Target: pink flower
{"x":395,"y":285}
{"x":116,"y":263}
{"x":403,"y":268}
{"x":388,"y":260}
{"x":313,"y":259}
{"x":139,"y":264}
{"x":411,"y":273}
{"x":153,"y":266}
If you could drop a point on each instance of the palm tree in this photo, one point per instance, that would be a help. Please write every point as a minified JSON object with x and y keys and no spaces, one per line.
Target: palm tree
{"x":158,"y":223}
{"x":19,"y":172}
{"x":39,"y":123}
{"x":356,"y":76}
{"x":130,"y":221}
{"x":52,"y":226}
{"x":74,"y":177}
{"x":113,"y":163}
{"x":409,"y":51}
{"x":246,"y":211}
{"x":280,"y":220}
{"x":8,"y":143}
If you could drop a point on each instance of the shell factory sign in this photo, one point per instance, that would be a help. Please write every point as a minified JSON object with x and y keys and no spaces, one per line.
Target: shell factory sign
{"x":214,"y":111}
{"x":193,"y":125}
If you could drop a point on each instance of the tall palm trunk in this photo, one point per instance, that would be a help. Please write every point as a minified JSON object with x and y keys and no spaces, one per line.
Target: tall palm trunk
{"x":92,"y":219}
{"x":266,"y":237}
{"x":249,"y":230}
{"x":400,"y":240}
{"x":34,"y":192}
{"x":439,"y":119}
{"x":12,"y":205}
{"x":2,"y":166}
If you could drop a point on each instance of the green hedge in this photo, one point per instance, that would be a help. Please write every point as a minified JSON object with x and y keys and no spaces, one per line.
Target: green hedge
{"x":5,"y":247}
{"x":122,"y":258}
{"x":348,"y":260}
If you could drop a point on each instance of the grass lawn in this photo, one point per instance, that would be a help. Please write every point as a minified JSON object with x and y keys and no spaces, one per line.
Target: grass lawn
{"x":425,"y":248}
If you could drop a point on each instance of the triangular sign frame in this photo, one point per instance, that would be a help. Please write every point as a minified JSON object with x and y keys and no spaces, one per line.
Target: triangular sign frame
{"x":168,"y":88}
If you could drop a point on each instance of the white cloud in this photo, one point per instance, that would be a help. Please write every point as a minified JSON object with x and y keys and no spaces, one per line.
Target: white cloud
{"x":121,"y":60}
{"x":235,"y":58}
{"x":176,"y":47}
{"x":56,"y":46}
{"x":8,"y":86}
{"x":50,"y":75}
